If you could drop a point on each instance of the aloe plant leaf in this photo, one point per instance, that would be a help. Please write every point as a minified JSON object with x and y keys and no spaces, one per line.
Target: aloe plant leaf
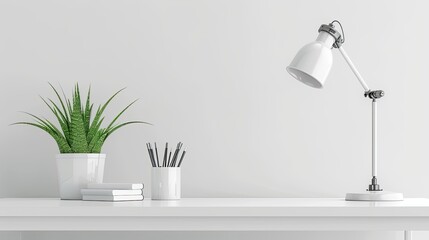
{"x":61,"y":142}
{"x":87,"y":111}
{"x":46,"y":123}
{"x":62,"y":120}
{"x":53,"y":128}
{"x":114,"y":128}
{"x":125,"y":109}
{"x":67,"y":103}
{"x":38,"y":125}
{"x":98,"y":135}
{"x":55,"y":106}
{"x":78,"y":141}
{"x":64,"y":125}
{"x":69,"y":106}
{"x":88,"y":116}
{"x":93,"y":131}
{"x":61,"y":100}
{"x":98,"y":114}
{"x":99,"y":143}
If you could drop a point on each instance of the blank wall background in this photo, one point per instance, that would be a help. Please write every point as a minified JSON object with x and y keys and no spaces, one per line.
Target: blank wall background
{"x":212,"y":75}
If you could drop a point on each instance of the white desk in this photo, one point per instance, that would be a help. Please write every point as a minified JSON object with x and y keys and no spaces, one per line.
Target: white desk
{"x":214,"y":214}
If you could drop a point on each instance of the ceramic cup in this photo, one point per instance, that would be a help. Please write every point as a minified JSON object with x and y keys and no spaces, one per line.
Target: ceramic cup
{"x":166,"y":183}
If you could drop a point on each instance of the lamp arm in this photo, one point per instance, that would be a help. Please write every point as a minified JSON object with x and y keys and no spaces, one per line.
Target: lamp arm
{"x":352,"y":66}
{"x":372,"y":95}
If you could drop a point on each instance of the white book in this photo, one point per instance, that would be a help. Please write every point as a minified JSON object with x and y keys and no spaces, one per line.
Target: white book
{"x":116,"y":186}
{"x":110,"y":192}
{"x":112,"y":198}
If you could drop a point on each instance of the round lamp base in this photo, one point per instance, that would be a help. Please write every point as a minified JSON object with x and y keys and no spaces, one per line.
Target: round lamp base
{"x":375,"y":196}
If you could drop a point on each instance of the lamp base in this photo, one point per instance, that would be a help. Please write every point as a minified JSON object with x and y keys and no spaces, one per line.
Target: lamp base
{"x":375,"y":196}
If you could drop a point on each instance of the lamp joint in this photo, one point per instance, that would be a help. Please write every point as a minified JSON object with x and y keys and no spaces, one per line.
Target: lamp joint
{"x":330,"y":29}
{"x":374,"y":185}
{"x":376,"y":94}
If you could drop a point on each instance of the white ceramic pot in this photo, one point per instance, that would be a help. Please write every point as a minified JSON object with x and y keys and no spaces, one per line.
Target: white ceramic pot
{"x":166,"y":183}
{"x":76,"y":170}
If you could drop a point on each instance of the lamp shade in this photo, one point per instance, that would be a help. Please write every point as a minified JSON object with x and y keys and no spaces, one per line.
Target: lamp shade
{"x":313,"y":62}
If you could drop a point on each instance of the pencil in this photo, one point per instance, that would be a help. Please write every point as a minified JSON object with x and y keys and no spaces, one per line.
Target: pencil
{"x":180,"y":147}
{"x":173,"y":161}
{"x":156,"y":151}
{"x":164,"y":163}
{"x":169,"y":157}
{"x":150,"y":155}
{"x":181,"y":158}
{"x":153,"y":157}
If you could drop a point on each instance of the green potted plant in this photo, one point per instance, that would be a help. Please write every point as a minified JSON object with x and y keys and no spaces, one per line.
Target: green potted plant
{"x":80,"y":138}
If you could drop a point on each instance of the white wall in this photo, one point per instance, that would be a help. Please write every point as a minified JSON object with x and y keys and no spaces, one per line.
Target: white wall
{"x":212,"y":74}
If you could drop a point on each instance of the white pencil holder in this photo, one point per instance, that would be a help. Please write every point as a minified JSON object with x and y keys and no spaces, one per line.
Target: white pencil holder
{"x":166,"y":183}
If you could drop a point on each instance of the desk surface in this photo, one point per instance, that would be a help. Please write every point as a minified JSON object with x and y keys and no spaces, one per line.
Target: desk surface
{"x":214,"y":214}
{"x":214,"y":207}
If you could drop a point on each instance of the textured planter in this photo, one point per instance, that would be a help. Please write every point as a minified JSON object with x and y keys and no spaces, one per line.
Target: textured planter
{"x":75,"y":171}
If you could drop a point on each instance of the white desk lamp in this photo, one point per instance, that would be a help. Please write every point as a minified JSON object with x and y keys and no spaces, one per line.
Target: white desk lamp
{"x":311,"y":66}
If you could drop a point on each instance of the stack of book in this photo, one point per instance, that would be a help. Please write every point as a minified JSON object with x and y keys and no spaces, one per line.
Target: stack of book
{"x":113,"y":192}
